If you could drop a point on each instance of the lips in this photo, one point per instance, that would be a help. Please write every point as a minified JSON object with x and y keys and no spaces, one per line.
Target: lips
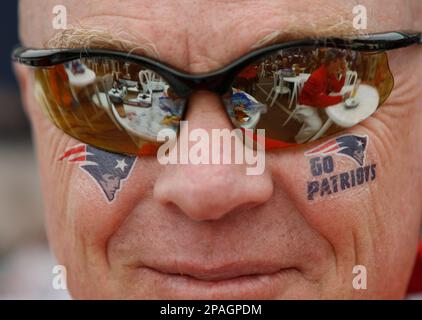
{"x":167,"y":256}
{"x":215,"y":272}
{"x":237,"y":280}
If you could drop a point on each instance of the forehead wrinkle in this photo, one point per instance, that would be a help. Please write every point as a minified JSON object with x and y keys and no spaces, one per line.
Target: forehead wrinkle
{"x":101,"y":38}
{"x":338,"y":24}
{"x":335,"y":22}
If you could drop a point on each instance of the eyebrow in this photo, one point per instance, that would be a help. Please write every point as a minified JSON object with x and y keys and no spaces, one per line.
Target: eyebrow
{"x":325,"y":28}
{"x":98,"y":38}
{"x":104,"y":38}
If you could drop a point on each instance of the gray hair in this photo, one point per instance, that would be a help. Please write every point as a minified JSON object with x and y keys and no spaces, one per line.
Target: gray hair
{"x":333,"y":55}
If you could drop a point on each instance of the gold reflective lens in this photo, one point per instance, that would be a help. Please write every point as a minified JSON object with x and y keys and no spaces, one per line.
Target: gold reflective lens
{"x":304,"y":94}
{"x":297,"y":95}
{"x":110,"y":104}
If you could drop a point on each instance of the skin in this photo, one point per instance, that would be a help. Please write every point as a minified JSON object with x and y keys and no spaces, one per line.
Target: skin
{"x":212,"y":222}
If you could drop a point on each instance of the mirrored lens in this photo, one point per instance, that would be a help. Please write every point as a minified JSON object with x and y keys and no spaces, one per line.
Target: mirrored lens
{"x":303,"y":94}
{"x":110,"y":104}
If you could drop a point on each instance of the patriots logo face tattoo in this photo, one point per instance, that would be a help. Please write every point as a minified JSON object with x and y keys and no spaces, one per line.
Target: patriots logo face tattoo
{"x":352,"y":146}
{"x":325,"y":180}
{"x":108,"y":169}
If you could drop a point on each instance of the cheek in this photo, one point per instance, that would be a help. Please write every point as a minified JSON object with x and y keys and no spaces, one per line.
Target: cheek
{"x":79,"y":219}
{"x":349,"y":207}
{"x":375,"y":220}
{"x":327,"y":208}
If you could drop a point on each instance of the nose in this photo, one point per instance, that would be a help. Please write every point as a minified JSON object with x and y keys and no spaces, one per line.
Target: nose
{"x":210,"y":191}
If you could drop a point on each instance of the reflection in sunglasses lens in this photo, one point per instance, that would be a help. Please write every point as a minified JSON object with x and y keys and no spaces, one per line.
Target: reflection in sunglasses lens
{"x":111,"y":104}
{"x":303,"y":94}
{"x":296,"y":95}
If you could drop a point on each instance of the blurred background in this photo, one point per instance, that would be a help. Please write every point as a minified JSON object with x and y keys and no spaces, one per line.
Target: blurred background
{"x":25,"y":260}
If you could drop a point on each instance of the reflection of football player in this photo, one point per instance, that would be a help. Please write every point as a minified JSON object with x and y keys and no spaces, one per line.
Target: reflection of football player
{"x":316,"y":93}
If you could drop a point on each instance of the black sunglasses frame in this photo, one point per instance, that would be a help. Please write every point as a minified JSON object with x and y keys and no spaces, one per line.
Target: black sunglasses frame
{"x":220,"y":80}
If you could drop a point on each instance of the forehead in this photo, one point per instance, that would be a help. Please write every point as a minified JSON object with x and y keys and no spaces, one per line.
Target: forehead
{"x":197,"y":36}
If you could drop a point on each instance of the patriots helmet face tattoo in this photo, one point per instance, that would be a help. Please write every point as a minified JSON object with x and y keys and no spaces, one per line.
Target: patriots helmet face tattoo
{"x":350,"y":145}
{"x":106,"y":168}
{"x":325,"y":179}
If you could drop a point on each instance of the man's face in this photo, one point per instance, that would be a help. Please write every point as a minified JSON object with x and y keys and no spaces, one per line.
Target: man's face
{"x":110,"y":184}
{"x":334,"y":67}
{"x":210,"y":231}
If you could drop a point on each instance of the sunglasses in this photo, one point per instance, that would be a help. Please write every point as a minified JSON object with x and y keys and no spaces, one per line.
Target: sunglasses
{"x":299,"y":91}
